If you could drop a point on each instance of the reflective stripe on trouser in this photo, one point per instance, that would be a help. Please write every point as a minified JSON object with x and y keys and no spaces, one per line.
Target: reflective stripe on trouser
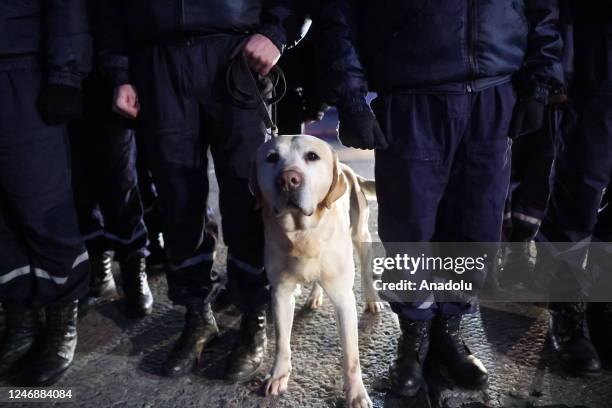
{"x":105,"y":182}
{"x":186,"y":110}
{"x":42,"y":256}
{"x":445,"y":176}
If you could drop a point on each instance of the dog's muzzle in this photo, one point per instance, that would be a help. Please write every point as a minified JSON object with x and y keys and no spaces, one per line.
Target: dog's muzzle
{"x":290,"y":183}
{"x":290,"y":180}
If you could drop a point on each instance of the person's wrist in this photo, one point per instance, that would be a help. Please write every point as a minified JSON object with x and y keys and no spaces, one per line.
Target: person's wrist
{"x":118,"y":77}
{"x":274,"y":35}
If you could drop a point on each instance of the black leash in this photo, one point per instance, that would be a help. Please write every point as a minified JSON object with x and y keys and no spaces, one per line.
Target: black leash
{"x":248,"y":92}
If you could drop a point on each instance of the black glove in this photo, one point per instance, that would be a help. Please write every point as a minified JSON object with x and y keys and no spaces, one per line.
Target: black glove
{"x":60,"y":104}
{"x":359,"y":128}
{"x":528,"y":116}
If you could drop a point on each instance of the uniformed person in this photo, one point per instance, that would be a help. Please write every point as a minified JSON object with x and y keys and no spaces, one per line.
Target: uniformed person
{"x":454,"y":80}
{"x":582,"y":173}
{"x":45,"y":52}
{"x":171,"y":75}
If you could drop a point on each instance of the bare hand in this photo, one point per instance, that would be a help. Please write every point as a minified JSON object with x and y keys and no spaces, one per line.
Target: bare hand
{"x":261,"y":53}
{"x":125,"y":101}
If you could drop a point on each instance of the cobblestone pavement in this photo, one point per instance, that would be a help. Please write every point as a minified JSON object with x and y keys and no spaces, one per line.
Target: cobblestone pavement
{"x":118,"y":361}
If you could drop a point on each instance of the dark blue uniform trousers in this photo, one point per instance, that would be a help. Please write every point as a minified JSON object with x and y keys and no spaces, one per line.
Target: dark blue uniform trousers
{"x":185,"y":109}
{"x":42,"y":256}
{"x":105,"y":181}
{"x":445,"y":175}
{"x":532,"y":159}
{"x":148,"y":193}
{"x":581,"y":177}
{"x":582,"y":173}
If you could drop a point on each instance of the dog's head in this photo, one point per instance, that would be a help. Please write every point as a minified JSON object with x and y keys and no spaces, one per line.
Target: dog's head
{"x":297,"y":175}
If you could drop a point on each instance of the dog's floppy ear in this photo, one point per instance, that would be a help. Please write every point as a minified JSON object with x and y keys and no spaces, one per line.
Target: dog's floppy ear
{"x":254,"y":185}
{"x":338,"y":186}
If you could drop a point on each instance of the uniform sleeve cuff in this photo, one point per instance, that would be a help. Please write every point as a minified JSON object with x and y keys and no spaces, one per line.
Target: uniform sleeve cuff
{"x":274,"y":34}
{"x":118,"y":76}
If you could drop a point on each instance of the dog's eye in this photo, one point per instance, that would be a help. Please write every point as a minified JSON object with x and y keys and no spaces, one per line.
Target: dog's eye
{"x":272,"y":157}
{"x":312,"y":156}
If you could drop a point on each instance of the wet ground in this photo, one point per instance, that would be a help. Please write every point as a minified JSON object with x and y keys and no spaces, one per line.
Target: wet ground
{"x":118,"y":361}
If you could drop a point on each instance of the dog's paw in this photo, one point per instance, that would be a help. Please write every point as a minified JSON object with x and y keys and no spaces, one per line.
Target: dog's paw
{"x":315,"y":299}
{"x":374,"y":307}
{"x":358,"y":398}
{"x":276,"y":382}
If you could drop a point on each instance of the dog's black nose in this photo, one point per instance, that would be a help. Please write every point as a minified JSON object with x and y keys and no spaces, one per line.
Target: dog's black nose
{"x":290,"y":179}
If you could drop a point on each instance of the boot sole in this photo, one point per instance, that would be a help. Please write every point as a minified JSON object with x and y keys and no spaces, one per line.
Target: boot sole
{"x":437,"y":363}
{"x":138,"y":312}
{"x":577,"y":373}
{"x":49,"y":382}
{"x":243,"y":378}
{"x":45,"y":383}
{"x":196,"y":362}
{"x":567,"y":367}
{"x":403,"y":393}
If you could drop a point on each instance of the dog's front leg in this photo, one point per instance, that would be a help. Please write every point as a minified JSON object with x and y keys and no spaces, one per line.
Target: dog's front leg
{"x":283,"y":305}
{"x":343,"y":299}
{"x":373,"y":303}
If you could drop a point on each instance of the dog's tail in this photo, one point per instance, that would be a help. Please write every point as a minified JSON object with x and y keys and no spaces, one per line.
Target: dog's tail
{"x":368,"y":187}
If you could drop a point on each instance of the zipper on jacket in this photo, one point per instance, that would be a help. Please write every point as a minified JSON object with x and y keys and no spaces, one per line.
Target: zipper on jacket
{"x":471,"y":42}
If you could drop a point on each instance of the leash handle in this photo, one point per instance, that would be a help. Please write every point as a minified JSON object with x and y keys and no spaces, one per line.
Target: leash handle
{"x":276,"y":78}
{"x":262,"y":105}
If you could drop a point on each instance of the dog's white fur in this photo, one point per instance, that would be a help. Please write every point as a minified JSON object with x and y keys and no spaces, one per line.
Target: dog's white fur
{"x":309,"y":234}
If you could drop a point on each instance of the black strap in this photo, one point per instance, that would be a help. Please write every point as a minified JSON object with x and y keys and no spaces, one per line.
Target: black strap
{"x":246,"y":90}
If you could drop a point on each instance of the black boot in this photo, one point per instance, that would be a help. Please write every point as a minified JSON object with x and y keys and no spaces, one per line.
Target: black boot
{"x":448,"y":347}
{"x":200,"y":328}
{"x":247,"y":357}
{"x":58,"y":350}
{"x":518,"y":264}
{"x":406,"y":371}
{"x":21,"y":330}
{"x":571,"y":339}
{"x":138,"y":297}
{"x":101,"y":281}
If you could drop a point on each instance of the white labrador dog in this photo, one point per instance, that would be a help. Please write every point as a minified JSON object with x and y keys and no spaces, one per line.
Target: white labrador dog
{"x":314,"y":209}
